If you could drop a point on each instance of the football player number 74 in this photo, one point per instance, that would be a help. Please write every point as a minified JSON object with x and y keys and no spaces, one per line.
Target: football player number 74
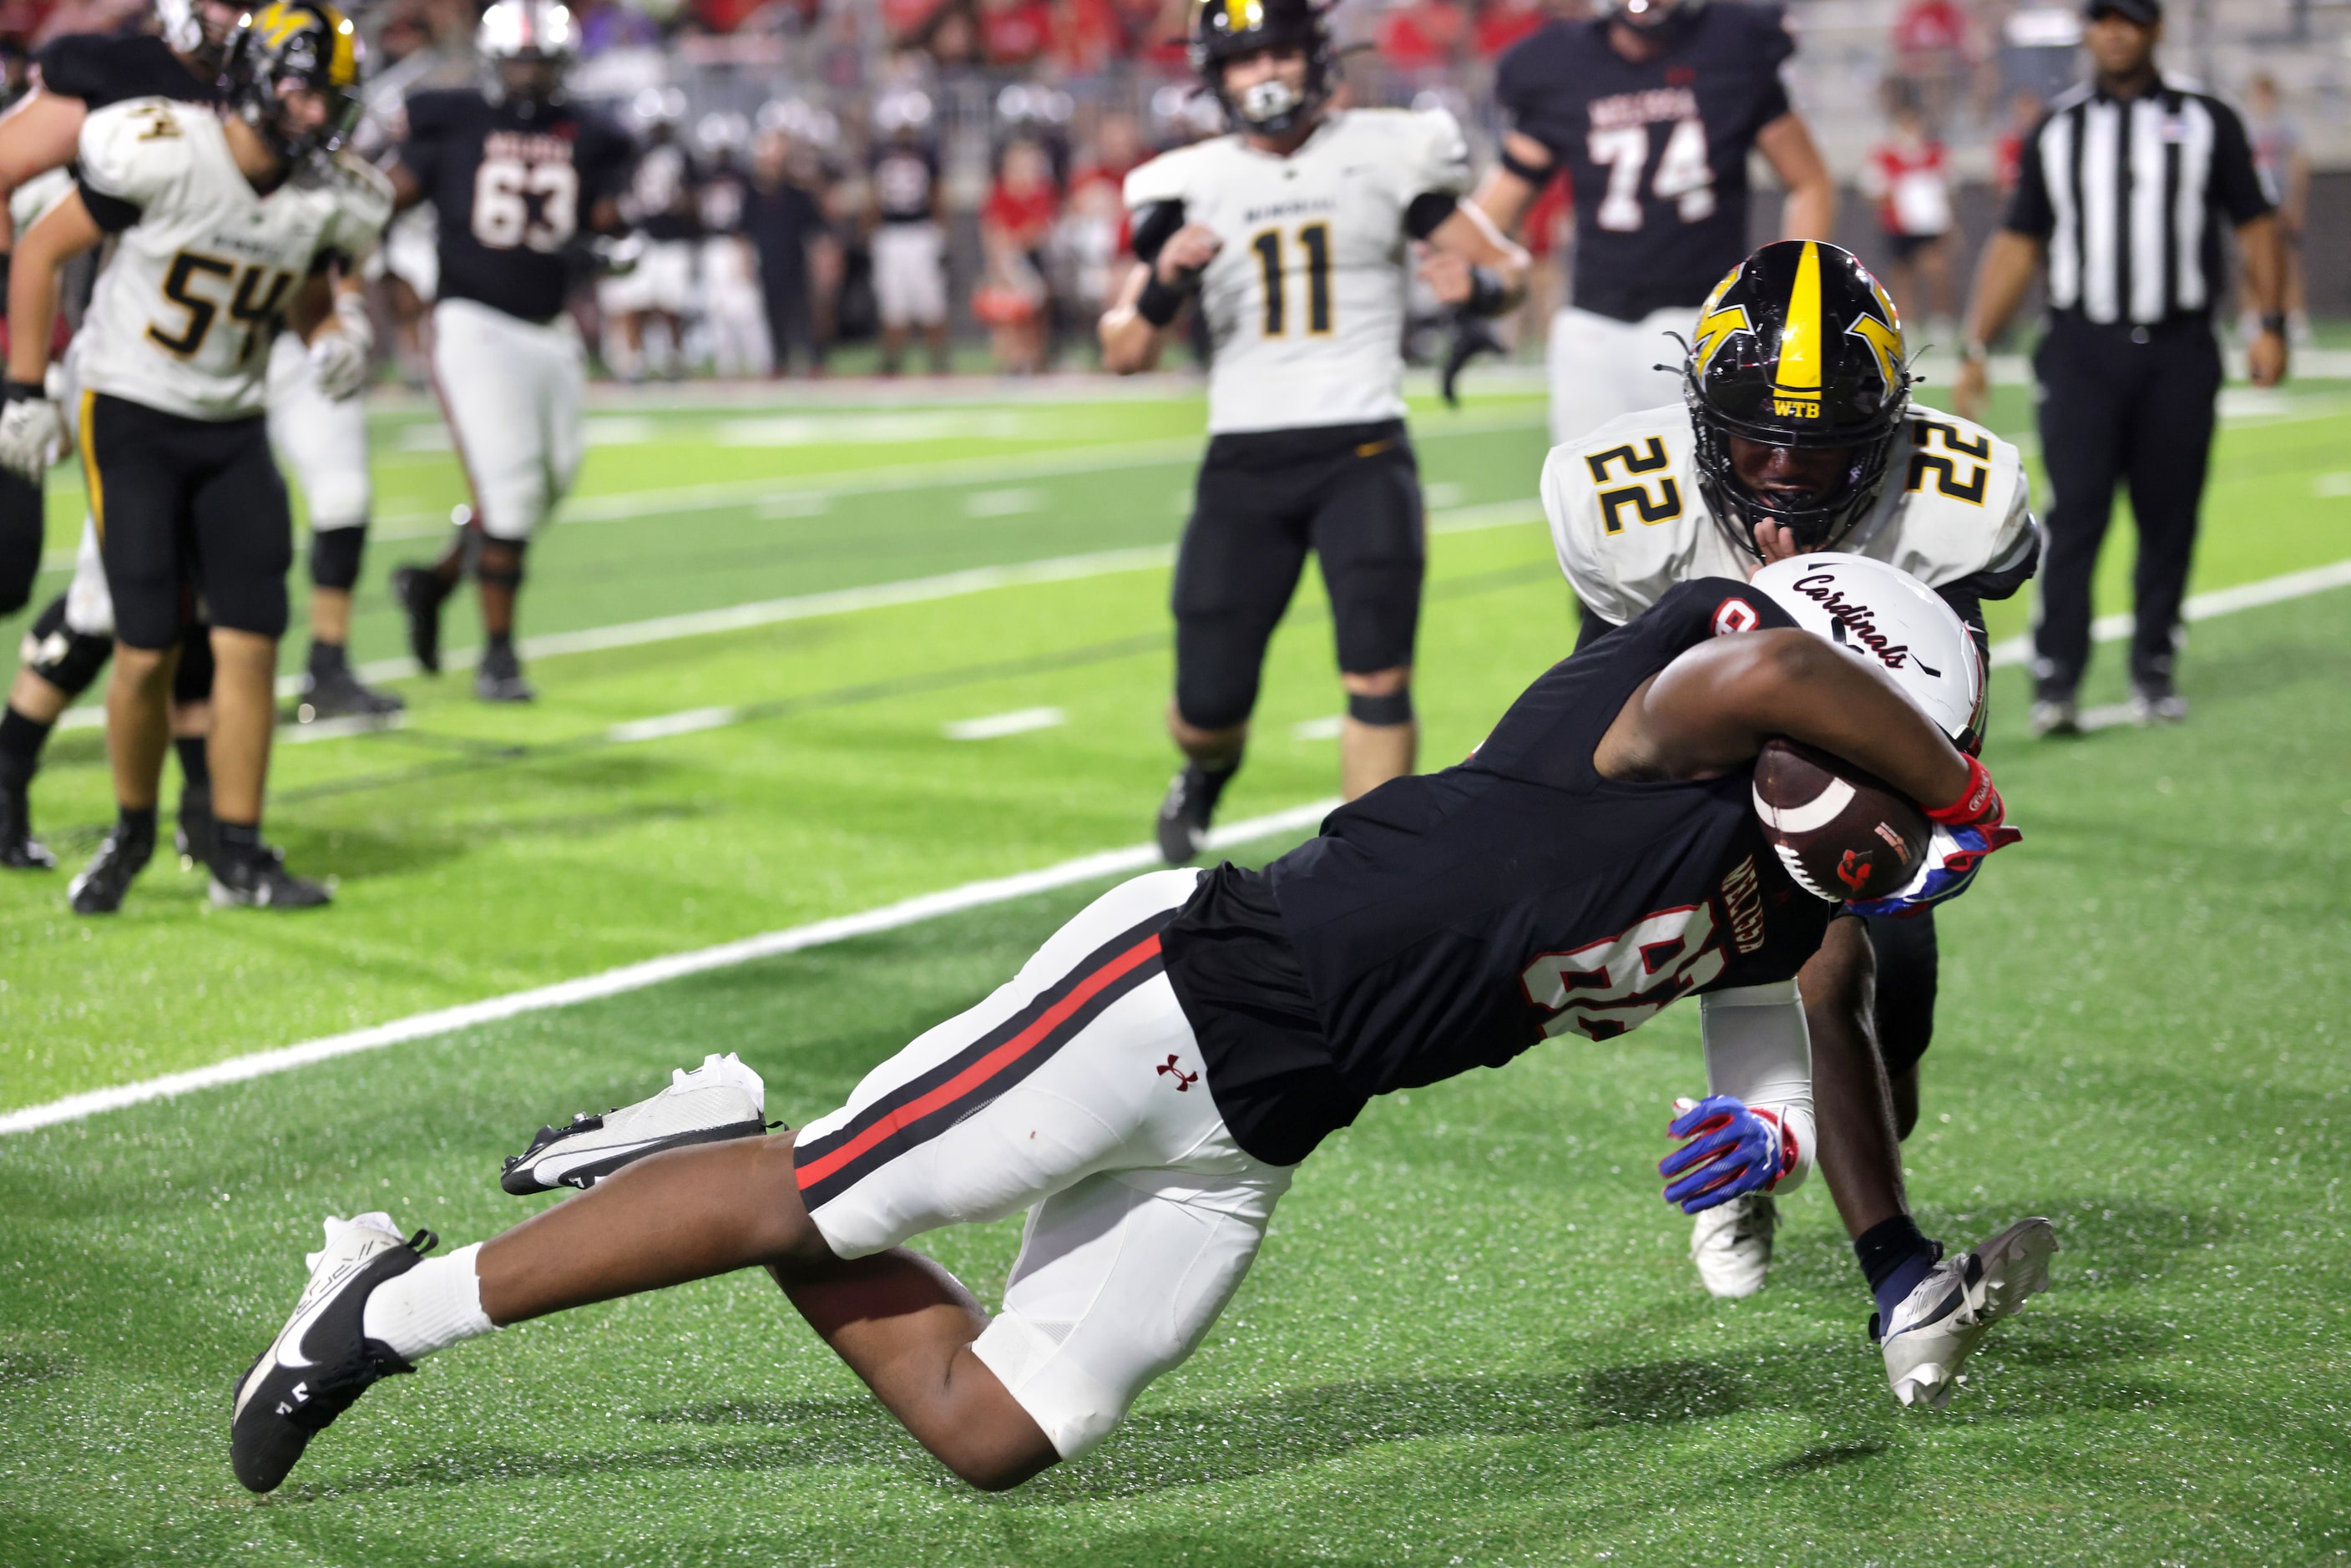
{"x":503,"y":218}
{"x":1684,"y":177}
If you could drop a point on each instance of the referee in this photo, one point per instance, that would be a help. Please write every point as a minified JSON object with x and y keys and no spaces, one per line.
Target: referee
{"x":2117,"y":196}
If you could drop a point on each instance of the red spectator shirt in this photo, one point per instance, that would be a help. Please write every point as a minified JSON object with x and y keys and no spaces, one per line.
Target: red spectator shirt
{"x":1023,"y":220}
{"x":1500,"y":27}
{"x":1016,"y":34}
{"x":1927,"y":209}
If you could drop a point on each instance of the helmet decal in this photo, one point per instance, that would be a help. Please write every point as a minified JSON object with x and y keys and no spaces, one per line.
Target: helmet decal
{"x":1714,"y":330}
{"x":1796,"y":384}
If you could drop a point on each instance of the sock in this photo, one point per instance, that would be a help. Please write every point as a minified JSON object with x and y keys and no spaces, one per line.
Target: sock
{"x":195,"y":763}
{"x":1894,"y":1256}
{"x":21,"y":739}
{"x":135,"y":822}
{"x":327,"y":657}
{"x":434,"y":1305}
{"x":237,"y":840}
{"x":501,"y":642}
{"x":1214,"y":777}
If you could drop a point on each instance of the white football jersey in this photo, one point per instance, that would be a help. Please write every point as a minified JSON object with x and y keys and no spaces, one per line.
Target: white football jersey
{"x":199,"y":284}
{"x":1629,"y":521}
{"x":1305,"y":302}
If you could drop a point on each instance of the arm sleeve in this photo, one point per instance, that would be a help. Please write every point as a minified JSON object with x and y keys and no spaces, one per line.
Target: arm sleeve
{"x":1155,"y":223}
{"x":2236,"y":184}
{"x":2029,"y":211}
{"x":70,"y":66}
{"x":125,"y":165}
{"x":1758,"y":1049}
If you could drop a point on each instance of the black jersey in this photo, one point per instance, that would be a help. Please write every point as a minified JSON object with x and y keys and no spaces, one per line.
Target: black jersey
{"x":100,"y":68}
{"x":661,"y":193}
{"x":903,"y":181}
{"x":511,"y":183}
{"x":1657,"y":151}
{"x":722,"y":199}
{"x":1453,"y":920}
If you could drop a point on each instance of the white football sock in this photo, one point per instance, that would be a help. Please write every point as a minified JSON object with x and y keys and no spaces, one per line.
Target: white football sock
{"x":434,"y":1305}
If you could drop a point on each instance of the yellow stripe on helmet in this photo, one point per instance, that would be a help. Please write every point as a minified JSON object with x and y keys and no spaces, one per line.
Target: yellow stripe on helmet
{"x":1240,"y":16}
{"x":1799,"y":373}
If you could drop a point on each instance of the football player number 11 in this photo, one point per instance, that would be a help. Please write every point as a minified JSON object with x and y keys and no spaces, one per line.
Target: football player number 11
{"x":1313,"y":241}
{"x":1684,"y":176}
{"x":502,"y":217}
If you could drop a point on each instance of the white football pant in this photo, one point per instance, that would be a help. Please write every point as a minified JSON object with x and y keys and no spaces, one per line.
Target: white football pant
{"x":734,"y":310}
{"x":1603,"y":369}
{"x":323,"y":441}
{"x":511,"y":391}
{"x":1075,"y":1092}
{"x":910,"y":275}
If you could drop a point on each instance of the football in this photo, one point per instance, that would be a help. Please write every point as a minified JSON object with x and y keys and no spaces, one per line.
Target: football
{"x":1842,"y":833}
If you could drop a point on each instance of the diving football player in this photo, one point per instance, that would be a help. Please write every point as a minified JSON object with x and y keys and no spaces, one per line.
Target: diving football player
{"x":1148,"y":1083}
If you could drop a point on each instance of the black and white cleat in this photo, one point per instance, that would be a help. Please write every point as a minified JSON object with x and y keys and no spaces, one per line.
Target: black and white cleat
{"x":718,"y":1100}
{"x":1939,"y":1324}
{"x":321,"y":1360}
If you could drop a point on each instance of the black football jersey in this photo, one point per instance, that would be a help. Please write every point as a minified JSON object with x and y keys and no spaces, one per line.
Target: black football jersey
{"x":661,"y":192}
{"x":1657,"y":151}
{"x":1454,"y":920}
{"x":100,"y":68}
{"x":903,"y":182}
{"x":511,"y":185}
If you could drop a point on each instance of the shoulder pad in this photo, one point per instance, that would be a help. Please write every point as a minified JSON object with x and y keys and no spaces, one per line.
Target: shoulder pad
{"x":1166,"y":178}
{"x":135,"y":149}
{"x":1626,"y":517}
{"x":1967,"y":500}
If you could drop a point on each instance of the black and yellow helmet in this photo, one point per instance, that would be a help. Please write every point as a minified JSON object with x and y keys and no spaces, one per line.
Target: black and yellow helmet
{"x":1797,"y":347}
{"x":1223,"y":31}
{"x":293,"y":42}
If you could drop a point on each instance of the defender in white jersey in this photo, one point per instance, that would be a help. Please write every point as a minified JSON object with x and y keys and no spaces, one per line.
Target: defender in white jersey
{"x":220,"y":229}
{"x":1797,"y":435}
{"x":1296,"y":231}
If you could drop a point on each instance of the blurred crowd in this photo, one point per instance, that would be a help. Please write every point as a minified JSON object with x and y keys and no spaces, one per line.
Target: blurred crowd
{"x":919,"y":173}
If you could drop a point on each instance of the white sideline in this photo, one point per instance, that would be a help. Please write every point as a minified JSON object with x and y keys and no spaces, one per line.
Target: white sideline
{"x":2202,"y":607}
{"x":650,"y":972}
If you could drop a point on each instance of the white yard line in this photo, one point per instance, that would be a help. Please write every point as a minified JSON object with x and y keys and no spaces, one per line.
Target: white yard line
{"x":652,"y":972}
{"x":997,"y":725}
{"x":2203,"y":606}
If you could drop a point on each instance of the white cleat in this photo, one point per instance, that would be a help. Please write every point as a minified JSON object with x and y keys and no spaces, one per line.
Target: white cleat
{"x":1939,"y":1324}
{"x":721,"y":1099}
{"x":322,"y":1359}
{"x":1731,"y":1244}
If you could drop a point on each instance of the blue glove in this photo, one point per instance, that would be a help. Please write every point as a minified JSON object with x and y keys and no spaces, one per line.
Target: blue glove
{"x":1953,"y":859}
{"x":1732,"y":1151}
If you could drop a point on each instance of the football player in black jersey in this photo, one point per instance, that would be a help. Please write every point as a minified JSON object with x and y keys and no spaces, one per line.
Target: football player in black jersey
{"x":78,"y":73}
{"x":518,"y":179}
{"x":1148,"y":1083}
{"x":1651,"y":108}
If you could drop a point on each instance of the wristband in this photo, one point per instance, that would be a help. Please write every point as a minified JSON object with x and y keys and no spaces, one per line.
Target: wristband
{"x":1976,"y":800}
{"x":1486,"y":295}
{"x":1973,"y":351}
{"x":23,"y":392}
{"x":2273,"y":322}
{"x":1160,"y":302}
{"x":5,"y":258}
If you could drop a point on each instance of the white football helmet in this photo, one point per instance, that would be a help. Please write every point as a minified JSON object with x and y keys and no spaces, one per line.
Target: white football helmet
{"x":1883,"y":614}
{"x":528,"y":30}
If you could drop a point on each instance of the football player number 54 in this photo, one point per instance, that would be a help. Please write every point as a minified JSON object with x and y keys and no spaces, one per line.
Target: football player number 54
{"x":1684,"y":177}
{"x":503,"y":218}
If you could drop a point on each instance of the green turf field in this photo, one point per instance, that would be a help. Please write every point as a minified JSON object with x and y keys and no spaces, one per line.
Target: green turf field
{"x":1472,"y":1335}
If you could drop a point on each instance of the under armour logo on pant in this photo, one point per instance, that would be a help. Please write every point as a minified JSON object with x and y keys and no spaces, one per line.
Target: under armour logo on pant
{"x":1183,"y":1080}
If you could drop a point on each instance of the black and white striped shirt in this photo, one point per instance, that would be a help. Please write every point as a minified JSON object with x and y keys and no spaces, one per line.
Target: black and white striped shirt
{"x":2123,"y":193}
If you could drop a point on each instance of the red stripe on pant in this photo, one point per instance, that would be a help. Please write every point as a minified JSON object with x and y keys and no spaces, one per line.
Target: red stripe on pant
{"x":977,"y":1074}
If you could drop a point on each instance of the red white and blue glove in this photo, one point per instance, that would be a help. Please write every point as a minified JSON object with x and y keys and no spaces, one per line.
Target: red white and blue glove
{"x":1732,"y":1151}
{"x":1966,"y":830}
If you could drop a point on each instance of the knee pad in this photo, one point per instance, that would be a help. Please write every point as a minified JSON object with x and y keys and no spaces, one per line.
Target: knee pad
{"x":1217,"y":667}
{"x":335,"y":557}
{"x":67,"y":658}
{"x":1385,"y":711}
{"x":191,"y":683}
{"x":499,"y":563}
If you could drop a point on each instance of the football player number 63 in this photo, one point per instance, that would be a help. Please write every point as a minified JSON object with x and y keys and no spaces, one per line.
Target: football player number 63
{"x":501,"y":209}
{"x":1684,"y":177}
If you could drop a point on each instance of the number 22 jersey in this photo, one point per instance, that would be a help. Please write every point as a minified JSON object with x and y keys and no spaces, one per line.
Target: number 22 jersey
{"x":510,"y":182}
{"x":1305,"y":301}
{"x":1454,"y":920}
{"x":204,"y":266}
